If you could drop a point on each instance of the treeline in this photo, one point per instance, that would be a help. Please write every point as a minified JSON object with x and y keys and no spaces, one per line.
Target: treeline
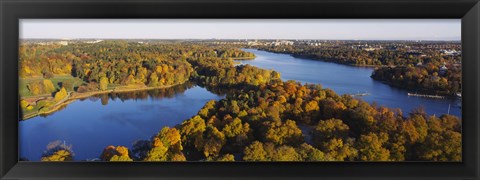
{"x":427,"y":78}
{"x":120,"y":62}
{"x":236,"y":54}
{"x":287,"y":121}
{"x":350,"y":54}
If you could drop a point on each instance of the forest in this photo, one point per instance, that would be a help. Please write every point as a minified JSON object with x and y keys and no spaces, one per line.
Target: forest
{"x":262,"y":118}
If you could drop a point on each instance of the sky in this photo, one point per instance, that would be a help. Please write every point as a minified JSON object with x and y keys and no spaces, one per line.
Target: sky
{"x":325,"y":29}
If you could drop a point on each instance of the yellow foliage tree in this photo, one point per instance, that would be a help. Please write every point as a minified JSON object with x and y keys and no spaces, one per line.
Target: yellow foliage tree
{"x":23,"y":104}
{"x":48,"y":86}
{"x":103,"y":83}
{"x":122,"y":154}
{"x":60,"y":94}
{"x":60,"y":155}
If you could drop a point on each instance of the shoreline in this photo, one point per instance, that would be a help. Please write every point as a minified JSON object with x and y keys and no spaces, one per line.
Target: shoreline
{"x":331,"y":60}
{"x":244,"y":58}
{"x":446,"y":95}
{"x":73,"y":96}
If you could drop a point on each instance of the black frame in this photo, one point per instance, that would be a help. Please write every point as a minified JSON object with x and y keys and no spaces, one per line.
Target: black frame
{"x":13,"y":10}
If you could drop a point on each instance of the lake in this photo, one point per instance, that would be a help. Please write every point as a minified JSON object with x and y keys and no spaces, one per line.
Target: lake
{"x":345,"y":79}
{"x":111,"y":119}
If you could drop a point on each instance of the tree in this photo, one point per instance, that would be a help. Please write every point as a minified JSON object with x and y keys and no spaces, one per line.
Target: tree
{"x":192,"y":131}
{"x":166,"y":146}
{"x":153,"y":82}
{"x":60,"y":155}
{"x":158,"y":151}
{"x":58,"y":151}
{"x":23,"y":104}
{"x":35,"y":88}
{"x":415,"y":128}
{"x":255,"y":152}
{"x":48,"y":86}
{"x":285,"y":153}
{"x":371,"y":148}
{"x":340,"y":149}
{"x":283,"y":133}
{"x":60,"y":95}
{"x":309,"y":153}
{"x":103,"y":85}
{"x":225,"y":157}
{"x":445,"y":146}
{"x":171,"y":139}
{"x":328,"y":129}
{"x":213,"y":142}
{"x":235,"y":128}
{"x":121,"y":154}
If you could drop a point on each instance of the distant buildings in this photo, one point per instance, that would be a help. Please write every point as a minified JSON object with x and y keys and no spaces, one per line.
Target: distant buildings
{"x":271,"y":43}
{"x":419,"y":63}
{"x":63,"y":43}
{"x":366,"y":47}
{"x":93,"y":42}
{"x":451,"y":52}
{"x":283,"y":42}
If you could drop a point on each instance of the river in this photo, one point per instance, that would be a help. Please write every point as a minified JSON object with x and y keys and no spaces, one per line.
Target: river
{"x":345,"y":79}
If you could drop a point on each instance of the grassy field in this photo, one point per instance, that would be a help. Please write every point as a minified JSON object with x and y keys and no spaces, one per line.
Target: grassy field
{"x":23,"y":82}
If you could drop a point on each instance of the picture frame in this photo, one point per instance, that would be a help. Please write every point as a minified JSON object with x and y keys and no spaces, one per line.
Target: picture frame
{"x":13,"y":10}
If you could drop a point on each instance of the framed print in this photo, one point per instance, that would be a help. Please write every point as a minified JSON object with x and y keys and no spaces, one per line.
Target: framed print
{"x":239,"y":89}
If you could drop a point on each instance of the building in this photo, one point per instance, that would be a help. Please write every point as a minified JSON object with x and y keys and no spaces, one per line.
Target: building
{"x":443,"y":69}
{"x":93,"y":42}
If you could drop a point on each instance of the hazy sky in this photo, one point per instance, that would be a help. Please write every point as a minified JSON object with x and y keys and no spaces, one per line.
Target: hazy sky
{"x":419,"y":29}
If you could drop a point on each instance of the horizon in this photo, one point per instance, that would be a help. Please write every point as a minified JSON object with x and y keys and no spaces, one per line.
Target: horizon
{"x":241,"y":29}
{"x":72,"y":39}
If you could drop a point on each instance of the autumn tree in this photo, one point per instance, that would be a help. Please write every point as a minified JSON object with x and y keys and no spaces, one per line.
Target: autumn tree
{"x":48,"y":86}
{"x":283,"y":133}
{"x":60,"y":95}
{"x":370,"y":147}
{"x":121,"y":154}
{"x":325,"y":130}
{"x":58,"y":151}
{"x":255,"y":152}
{"x":103,"y":85}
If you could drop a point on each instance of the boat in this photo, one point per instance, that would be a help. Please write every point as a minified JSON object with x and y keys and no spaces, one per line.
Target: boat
{"x":360,"y":94}
{"x":426,"y":95}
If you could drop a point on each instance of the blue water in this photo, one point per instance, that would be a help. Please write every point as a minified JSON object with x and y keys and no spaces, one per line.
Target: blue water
{"x":90,"y":126}
{"x":345,"y":79}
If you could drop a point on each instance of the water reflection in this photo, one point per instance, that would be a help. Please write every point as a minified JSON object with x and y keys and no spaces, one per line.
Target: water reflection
{"x":93,"y":123}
